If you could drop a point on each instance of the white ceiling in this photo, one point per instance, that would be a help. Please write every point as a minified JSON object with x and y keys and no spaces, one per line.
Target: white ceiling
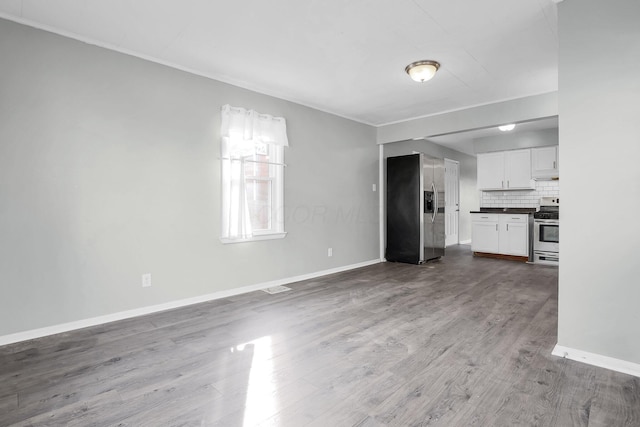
{"x":346,"y":57}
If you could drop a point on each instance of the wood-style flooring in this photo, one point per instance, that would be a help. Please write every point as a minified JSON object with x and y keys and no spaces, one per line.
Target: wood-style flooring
{"x":463,"y":341}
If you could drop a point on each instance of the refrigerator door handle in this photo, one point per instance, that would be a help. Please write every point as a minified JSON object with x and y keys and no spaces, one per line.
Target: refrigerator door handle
{"x":435,"y":203}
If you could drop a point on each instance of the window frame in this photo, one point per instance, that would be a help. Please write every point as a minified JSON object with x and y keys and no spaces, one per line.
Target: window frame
{"x":276,"y":176}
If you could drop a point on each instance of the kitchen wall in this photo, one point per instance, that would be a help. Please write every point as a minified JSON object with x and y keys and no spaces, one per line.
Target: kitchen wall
{"x":520,"y":199}
{"x":109,"y":168}
{"x":405,"y":137}
{"x":512,"y":111}
{"x":468,"y":175}
{"x":599,"y":153}
{"x":516,"y":140}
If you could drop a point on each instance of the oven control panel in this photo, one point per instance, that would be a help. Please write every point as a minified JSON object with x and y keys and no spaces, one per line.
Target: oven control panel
{"x":549,"y":201}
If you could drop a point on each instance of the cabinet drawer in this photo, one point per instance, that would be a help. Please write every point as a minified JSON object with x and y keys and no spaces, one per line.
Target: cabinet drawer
{"x":485,"y":217}
{"x":515,"y":218}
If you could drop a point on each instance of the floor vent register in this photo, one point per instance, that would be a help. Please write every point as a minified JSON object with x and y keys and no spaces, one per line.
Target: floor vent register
{"x":276,"y":289}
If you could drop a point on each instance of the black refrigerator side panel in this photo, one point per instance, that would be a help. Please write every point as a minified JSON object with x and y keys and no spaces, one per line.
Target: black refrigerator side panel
{"x":403,"y":209}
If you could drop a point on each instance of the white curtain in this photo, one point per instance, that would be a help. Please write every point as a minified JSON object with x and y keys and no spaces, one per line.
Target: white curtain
{"x":246,"y":127}
{"x":241,"y":130}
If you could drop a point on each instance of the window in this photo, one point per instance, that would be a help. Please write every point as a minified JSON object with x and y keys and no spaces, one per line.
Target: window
{"x":252,"y":175}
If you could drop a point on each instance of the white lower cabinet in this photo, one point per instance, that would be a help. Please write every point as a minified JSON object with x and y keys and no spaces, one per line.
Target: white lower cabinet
{"x":514,"y":235}
{"x":505,"y":234}
{"x":484,"y":233}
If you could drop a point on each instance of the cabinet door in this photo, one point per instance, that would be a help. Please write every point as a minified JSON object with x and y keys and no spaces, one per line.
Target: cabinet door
{"x":518,"y":169}
{"x":491,"y":171}
{"x":514,"y":237}
{"x":544,"y":162}
{"x":484,"y":237}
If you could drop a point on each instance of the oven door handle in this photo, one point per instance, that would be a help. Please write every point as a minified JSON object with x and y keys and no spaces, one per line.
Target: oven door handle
{"x":547,"y":221}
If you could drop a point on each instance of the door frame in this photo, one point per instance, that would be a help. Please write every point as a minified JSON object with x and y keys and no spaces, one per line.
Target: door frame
{"x":457,"y":185}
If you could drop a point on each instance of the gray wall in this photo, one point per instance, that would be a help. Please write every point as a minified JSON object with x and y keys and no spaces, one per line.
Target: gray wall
{"x":513,"y":141}
{"x":600,"y":153}
{"x":109,"y":169}
{"x":468,"y":175}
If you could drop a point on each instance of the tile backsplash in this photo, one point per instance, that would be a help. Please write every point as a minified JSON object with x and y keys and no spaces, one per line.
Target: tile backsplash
{"x":520,"y":199}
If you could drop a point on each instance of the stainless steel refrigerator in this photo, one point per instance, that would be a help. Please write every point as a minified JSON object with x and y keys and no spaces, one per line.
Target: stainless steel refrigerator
{"x":415,"y":208}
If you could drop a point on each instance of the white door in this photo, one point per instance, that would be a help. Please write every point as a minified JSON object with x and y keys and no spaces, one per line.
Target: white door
{"x":451,"y":201}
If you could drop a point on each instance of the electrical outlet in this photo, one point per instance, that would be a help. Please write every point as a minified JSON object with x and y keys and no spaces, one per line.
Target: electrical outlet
{"x":374,"y":187}
{"x":330,"y":252}
{"x":146,"y":280}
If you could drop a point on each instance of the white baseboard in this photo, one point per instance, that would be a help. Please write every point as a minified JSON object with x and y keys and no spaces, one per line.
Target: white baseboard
{"x":599,"y":360}
{"x":94,"y":321}
{"x":465,"y":242}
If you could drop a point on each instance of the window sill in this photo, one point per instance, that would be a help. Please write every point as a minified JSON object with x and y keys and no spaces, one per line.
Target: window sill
{"x":255,"y":238}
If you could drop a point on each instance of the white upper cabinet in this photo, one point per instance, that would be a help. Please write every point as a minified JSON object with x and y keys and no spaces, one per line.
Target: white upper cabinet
{"x":505,"y":170}
{"x":518,"y":169}
{"x":491,"y":170}
{"x":544,"y":162}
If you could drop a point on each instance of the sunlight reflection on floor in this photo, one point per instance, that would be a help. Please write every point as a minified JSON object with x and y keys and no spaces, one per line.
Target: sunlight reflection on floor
{"x":261,"y":401}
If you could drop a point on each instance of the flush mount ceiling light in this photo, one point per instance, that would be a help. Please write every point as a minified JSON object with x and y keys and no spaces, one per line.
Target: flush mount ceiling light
{"x":507,"y":128}
{"x":421,"y":71}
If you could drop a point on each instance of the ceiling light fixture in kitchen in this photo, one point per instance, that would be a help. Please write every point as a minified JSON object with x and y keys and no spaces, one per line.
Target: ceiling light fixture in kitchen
{"x":421,"y":71}
{"x":507,"y":128}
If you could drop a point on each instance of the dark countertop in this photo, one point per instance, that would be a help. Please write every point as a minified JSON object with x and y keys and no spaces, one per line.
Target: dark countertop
{"x":506,"y":210}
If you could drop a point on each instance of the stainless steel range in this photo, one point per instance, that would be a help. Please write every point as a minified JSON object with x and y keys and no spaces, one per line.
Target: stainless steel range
{"x":546,"y":232}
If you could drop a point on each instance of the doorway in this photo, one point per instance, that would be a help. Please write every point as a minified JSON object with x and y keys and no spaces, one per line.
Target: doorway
{"x":451,"y":201}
